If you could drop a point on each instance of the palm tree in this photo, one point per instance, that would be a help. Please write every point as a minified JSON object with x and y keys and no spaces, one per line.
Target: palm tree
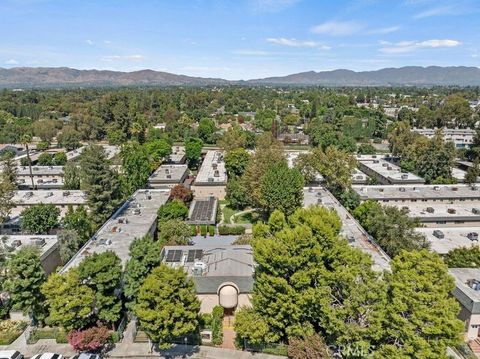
{"x":26,"y":139}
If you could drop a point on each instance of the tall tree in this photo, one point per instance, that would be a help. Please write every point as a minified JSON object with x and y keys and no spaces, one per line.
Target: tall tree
{"x":100,"y":183}
{"x":103,"y":273}
{"x":69,"y":301}
{"x":174,"y":232}
{"x":79,"y":221}
{"x":236,"y":161}
{"x":40,"y":218}
{"x":463,"y":257}
{"x":167,"y":305}
{"x":193,"y":150}
{"x":24,"y":279}
{"x":144,"y":256}
{"x":421,"y":317}
{"x":71,"y":176}
{"x":69,"y":243}
{"x":281,"y":188}
{"x":136,"y":167}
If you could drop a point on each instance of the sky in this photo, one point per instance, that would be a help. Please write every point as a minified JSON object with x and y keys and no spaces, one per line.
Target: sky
{"x":239,"y":39}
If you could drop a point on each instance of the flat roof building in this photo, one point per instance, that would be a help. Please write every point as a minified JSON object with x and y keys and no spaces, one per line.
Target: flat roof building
{"x":418,"y":193}
{"x":46,"y":244}
{"x":351,"y":229}
{"x":212,"y":176}
{"x":386,"y":172}
{"x":60,"y":198}
{"x":168,"y":176}
{"x":358,"y":177}
{"x":461,"y":137}
{"x":223,"y":275}
{"x":467,"y":293}
{"x":444,"y":239}
{"x":136,"y":218}
{"x":44,"y":177}
{"x":178,"y":155}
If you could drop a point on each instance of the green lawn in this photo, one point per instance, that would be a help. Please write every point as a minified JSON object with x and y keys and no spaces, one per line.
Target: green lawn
{"x":248,"y":218}
{"x":227,"y":213}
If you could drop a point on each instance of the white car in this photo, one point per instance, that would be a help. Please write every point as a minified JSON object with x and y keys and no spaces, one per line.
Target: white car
{"x":48,"y":356}
{"x":86,"y":356}
{"x":10,"y":354}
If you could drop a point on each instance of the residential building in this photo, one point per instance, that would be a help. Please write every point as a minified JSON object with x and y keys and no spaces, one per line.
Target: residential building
{"x":461,"y":137}
{"x":386,"y":172}
{"x":223,"y":275}
{"x":444,"y":239}
{"x":61,"y":199}
{"x":136,"y":218}
{"x":168,"y":176}
{"x":211,"y":179}
{"x":203,"y":211}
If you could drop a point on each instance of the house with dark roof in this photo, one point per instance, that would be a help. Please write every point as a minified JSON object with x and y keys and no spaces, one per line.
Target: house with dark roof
{"x":223,"y":275}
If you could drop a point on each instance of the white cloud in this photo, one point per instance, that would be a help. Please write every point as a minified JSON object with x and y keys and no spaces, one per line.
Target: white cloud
{"x":438,"y":11}
{"x":337,"y":28}
{"x":297,"y":43}
{"x":384,"y":30}
{"x":111,"y":58}
{"x":409,"y":46}
{"x":11,"y":62}
{"x":89,"y":42}
{"x":247,"y":52}
{"x":107,"y":42}
{"x":260,"y":6}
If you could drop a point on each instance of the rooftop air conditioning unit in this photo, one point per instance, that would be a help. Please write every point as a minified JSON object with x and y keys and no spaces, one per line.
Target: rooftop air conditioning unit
{"x":376,"y":161}
{"x":54,"y":180}
{"x":211,"y":179}
{"x":66,"y":193}
{"x":167,"y":170}
{"x":214,"y":166}
{"x":16,"y":243}
{"x":136,"y":211}
{"x":216,"y":174}
{"x":406,"y":209}
{"x":402,"y":189}
{"x":384,"y":164}
{"x":40,"y":180}
{"x":49,"y":194}
{"x":404,"y":176}
{"x":454,"y":188}
{"x":476,"y":210}
{"x":451,"y":211}
{"x":39,"y":242}
{"x":436,"y":188}
{"x":430,"y":210}
{"x":169,"y":176}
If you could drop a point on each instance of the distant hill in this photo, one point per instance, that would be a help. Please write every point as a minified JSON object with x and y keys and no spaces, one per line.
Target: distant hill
{"x":26,"y":77}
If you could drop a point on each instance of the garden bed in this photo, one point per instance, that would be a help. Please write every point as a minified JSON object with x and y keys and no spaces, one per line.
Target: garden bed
{"x":11,"y":330}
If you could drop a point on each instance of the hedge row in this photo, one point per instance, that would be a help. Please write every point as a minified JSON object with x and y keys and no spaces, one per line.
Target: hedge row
{"x":231,"y":230}
{"x":217,"y":325}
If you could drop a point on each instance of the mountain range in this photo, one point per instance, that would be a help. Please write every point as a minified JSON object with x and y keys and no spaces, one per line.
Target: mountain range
{"x":37,"y":77}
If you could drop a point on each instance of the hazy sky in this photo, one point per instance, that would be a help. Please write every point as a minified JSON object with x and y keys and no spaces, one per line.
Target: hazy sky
{"x":238,"y":39}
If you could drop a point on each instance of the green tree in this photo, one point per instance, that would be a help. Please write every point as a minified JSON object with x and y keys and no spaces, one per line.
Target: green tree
{"x":24,"y":279}
{"x":71,"y":176}
{"x":40,"y":218}
{"x":236,"y":193}
{"x":236,"y":161}
{"x":45,"y":129}
{"x":391,"y":227}
{"x":45,"y":159}
{"x":144,"y":256}
{"x":102,"y":273}
{"x":167,"y":305}
{"x":234,"y":138}
{"x":437,"y":161}
{"x":9,"y":169}
{"x":268,"y":152}
{"x":60,"y":159}
{"x":79,"y":221}
{"x":172,"y":210}
{"x":473,"y":173}
{"x":463,"y":257}
{"x":69,"y":302}
{"x":100,"y":183}
{"x":310,"y":280}
{"x":249,"y":324}
{"x":421,"y":316}
{"x":136,"y":167}
{"x":366,"y":149}
{"x":206,"y":130}
{"x":7,"y":192}
{"x":69,"y":138}
{"x":336,"y":166}
{"x":174,"y":232}
{"x":193,"y":151}
{"x":69,"y":243}
{"x":281,"y":188}
{"x":158,"y":150}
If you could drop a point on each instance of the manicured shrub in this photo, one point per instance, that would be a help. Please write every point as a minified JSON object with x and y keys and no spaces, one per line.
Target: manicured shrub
{"x":203,"y":230}
{"x":194,"y":231}
{"x":217,"y":325}
{"x":211,"y":230}
{"x":231,"y":230}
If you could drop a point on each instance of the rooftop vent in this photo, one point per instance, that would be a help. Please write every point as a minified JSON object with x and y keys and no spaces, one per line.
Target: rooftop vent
{"x":430,"y":210}
{"x":384,"y":164}
{"x":454,"y":188}
{"x":402,"y":189}
{"x":211,"y":179}
{"x":28,"y":194}
{"x":49,"y":194}
{"x":404,"y":176}
{"x":451,"y":211}
{"x":37,"y":241}
{"x":216,"y":173}
{"x":436,"y":188}
{"x":66,"y":193}
{"x":16,"y":243}
{"x":474,"y":284}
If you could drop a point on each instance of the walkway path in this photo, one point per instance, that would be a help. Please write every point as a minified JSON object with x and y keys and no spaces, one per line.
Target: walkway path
{"x":228,"y":333}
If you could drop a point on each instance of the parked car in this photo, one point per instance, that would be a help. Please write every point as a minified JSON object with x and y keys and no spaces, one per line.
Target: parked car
{"x":439,"y":234}
{"x":10,"y":354}
{"x":86,"y":356}
{"x":48,"y":356}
